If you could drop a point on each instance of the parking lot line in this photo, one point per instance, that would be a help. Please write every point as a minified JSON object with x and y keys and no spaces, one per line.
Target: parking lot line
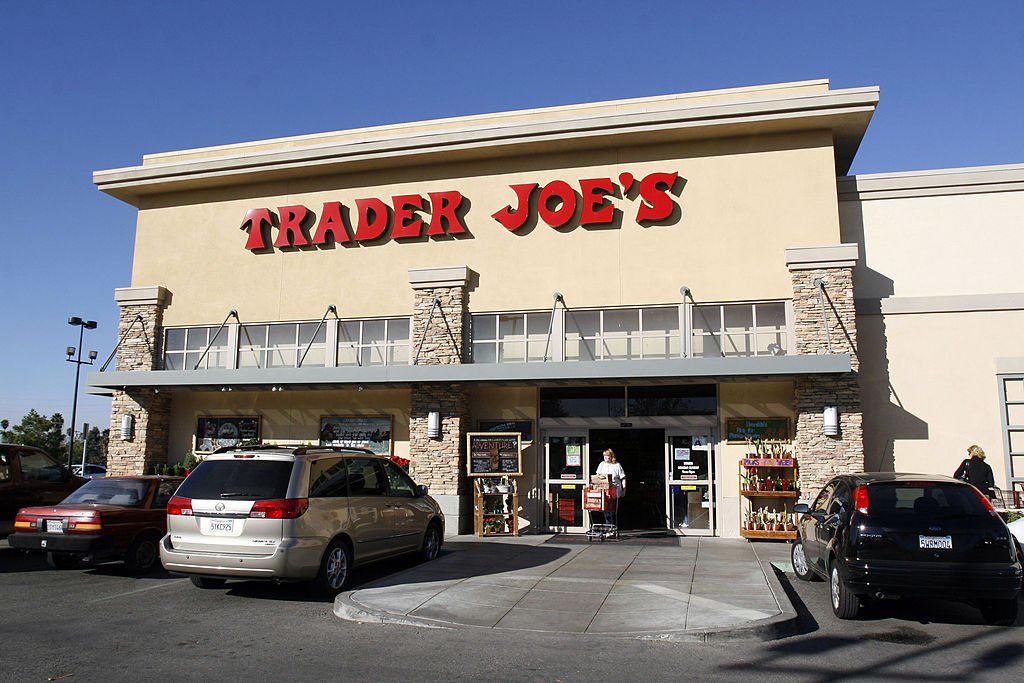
{"x":162,"y":584}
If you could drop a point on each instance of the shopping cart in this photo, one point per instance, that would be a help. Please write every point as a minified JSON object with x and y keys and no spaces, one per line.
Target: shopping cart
{"x":601,"y":500}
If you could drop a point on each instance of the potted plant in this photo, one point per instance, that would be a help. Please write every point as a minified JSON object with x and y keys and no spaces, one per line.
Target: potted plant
{"x":190,"y":462}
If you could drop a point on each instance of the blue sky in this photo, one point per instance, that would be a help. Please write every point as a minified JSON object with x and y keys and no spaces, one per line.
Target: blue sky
{"x":95,"y":85}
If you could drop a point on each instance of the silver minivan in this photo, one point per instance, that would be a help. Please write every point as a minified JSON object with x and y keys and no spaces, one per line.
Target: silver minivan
{"x":296,"y":514}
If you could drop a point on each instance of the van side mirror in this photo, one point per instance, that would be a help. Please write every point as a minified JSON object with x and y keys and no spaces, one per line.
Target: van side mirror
{"x":801,"y":508}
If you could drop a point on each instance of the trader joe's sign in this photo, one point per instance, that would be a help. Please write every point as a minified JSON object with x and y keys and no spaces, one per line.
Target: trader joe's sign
{"x":558,"y":204}
{"x":492,"y":454}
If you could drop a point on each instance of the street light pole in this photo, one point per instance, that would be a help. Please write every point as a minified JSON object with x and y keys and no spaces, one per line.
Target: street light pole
{"x":83,"y":325}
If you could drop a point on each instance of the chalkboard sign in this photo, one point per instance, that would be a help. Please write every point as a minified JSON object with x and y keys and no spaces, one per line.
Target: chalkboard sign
{"x":494,"y":454}
{"x":758,"y":428}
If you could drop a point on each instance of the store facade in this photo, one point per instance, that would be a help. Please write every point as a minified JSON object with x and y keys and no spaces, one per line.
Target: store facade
{"x":662,"y":276}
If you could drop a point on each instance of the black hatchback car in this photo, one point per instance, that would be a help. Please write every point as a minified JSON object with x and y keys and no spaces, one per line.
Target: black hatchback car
{"x":889,"y":535}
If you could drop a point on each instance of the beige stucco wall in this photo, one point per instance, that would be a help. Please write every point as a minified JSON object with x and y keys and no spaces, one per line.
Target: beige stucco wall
{"x":939,"y":300}
{"x":747,"y":199}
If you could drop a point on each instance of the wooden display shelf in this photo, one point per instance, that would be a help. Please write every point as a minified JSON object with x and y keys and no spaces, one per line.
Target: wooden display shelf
{"x":769,"y":494}
{"x":753,"y":533}
{"x":484,"y":499}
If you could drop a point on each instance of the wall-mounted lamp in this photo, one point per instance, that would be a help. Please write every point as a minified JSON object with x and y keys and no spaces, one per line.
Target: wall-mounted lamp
{"x":127,"y":427}
{"x":433,"y":425}
{"x":226,"y":389}
{"x":831,"y":421}
{"x":684,"y":291}
{"x":776,"y":350}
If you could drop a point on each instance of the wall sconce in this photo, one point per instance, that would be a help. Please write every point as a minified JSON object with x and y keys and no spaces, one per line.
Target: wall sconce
{"x":831,"y":422}
{"x":433,"y":425}
{"x":127,"y":427}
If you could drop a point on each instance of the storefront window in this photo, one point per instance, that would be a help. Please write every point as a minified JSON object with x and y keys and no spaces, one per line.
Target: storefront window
{"x":583,"y":402}
{"x":184,"y":346}
{"x":281,"y":345}
{"x":373,"y":342}
{"x":510,"y":337}
{"x":724,"y":330}
{"x":623,"y":334}
{"x":685,"y":399}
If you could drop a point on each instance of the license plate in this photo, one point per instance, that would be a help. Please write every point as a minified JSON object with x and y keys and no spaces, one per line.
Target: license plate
{"x":223,"y":527}
{"x":937,"y":542}
{"x":54,"y":526}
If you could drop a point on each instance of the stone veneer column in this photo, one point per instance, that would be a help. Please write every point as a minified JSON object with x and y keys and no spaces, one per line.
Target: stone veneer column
{"x":439,"y":462}
{"x":819,"y":456}
{"x":140,"y":350}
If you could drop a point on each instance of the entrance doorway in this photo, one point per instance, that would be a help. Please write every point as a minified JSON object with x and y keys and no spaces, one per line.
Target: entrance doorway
{"x":641,"y":452}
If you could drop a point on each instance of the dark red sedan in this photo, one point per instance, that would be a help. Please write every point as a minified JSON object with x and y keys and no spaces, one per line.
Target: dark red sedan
{"x":113,"y":518}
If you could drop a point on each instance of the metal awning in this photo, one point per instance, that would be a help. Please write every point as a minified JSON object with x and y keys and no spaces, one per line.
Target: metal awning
{"x":540,"y":374}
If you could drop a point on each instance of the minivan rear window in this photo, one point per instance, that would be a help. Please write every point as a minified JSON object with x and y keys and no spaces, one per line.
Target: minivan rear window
{"x":238,"y":480}
{"x":904,"y":500}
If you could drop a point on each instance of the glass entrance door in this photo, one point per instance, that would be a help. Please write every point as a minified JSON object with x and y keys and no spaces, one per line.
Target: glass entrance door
{"x":566,"y":468}
{"x":691,"y":491}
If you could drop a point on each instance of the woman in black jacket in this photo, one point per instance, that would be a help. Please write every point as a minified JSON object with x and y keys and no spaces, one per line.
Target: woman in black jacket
{"x":976,"y":472}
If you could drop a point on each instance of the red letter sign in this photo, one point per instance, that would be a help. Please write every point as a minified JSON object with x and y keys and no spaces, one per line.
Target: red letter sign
{"x":515,"y":219}
{"x":657,"y":205}
{"x":596,"y":209}
{"x":560,"y":190}
{"x":373,"y":219}
{"x":407,"y":224}
{"x":331,"y":224}
{"x":290,"y":232}
{"x":443,"y":206}
{"x":255,"y":218}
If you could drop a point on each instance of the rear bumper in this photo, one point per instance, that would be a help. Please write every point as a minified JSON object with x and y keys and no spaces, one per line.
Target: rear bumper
{"x":84,"y":544}
{"x":292,"y":560}
{"x":954,"y":581}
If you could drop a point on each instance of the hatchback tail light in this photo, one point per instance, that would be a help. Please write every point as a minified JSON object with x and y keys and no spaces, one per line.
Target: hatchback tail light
{"x":860,"y":499}
{"x":179,"y":506}
{"x":986,"y":502}
{"x":286,"y":508}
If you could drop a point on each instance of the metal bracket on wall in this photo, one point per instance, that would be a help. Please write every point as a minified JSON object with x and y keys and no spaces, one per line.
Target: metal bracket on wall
{"x":231,"y":314}
{"x":820,"y":284}
{"x":557,"y":296}
{"x":138,"y":319}
{"x":331,"y":308}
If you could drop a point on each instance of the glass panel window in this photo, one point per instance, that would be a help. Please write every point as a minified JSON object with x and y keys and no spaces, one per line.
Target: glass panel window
{"x":510,"y":337}
{"x":738,"y":329}
{"x":373,"y":342}
{"x":184,"y":347}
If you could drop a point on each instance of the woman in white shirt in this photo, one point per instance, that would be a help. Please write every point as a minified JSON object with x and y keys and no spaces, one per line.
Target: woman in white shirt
{"x":611,"y":466}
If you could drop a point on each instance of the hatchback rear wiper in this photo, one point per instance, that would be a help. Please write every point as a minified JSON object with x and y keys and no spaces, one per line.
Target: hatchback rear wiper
{"x":234,"y":494}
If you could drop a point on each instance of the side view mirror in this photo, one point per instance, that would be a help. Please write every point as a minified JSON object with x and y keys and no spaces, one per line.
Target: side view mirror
{"x":421,"y":490}
{"x":801,"y":508}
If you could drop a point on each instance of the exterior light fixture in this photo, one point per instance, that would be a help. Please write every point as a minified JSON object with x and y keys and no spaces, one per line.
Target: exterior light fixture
{"x":82,"y":326}
{"x":434,"y":425}
{"x":775,"y":350}
{"x":127,"y":427}
{"x":831,"y":421}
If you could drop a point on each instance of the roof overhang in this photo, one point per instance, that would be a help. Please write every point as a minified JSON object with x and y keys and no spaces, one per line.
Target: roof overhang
{"x":651,"y":121}
{"x":539,"y":374}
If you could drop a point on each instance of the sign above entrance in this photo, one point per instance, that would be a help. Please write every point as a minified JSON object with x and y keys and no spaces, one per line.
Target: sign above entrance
{"x":741,"y":430}
{"x":440,"y":214}
{"x":492,"y":454}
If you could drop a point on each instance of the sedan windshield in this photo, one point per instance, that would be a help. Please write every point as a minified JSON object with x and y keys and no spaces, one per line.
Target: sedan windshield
{"x":110,"y":492}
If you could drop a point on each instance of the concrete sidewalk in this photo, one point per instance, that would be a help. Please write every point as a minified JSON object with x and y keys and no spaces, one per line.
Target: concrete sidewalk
{"x":663,"y":588}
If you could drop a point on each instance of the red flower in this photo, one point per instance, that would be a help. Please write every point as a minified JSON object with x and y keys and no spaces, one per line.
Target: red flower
{"x":400,"y":461}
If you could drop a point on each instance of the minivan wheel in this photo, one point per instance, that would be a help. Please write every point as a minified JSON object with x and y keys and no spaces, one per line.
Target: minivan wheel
{"x":206,"y":582}
{"x":431,"y":543}
{"x":144,"y":555}
{"x":61,"y":560}
{"x":845,"y":604}
{"x":801,"y":568}
{"x":999,"y":612}
{"x":334,"y":568}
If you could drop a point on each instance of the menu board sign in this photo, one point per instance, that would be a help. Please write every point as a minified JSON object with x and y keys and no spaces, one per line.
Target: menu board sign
{"x":220,"y":432}
{"x":755,"y":429}
{"x":494,"y":454}
{"x":360,"y":431}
